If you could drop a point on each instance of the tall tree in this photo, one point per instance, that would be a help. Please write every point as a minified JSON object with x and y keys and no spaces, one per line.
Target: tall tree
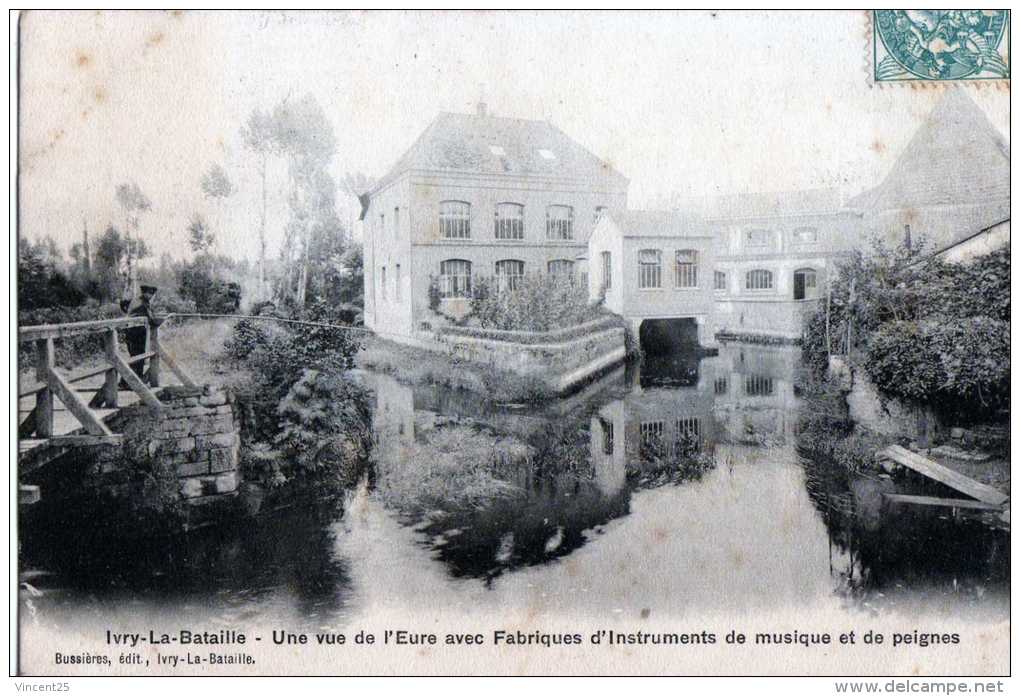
{"x":259,"y":135}
{"x":134,"y":203}
{"x":306,"y":137}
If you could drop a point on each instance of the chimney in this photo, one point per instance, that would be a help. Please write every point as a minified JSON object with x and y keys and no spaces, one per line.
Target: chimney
{"x":482,"y":109}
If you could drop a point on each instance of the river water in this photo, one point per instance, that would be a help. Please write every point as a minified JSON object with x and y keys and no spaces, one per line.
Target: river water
{"x":674,"y":489}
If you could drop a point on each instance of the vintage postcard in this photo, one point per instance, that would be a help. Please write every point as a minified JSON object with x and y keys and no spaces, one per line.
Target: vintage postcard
{"x":513,"y":343}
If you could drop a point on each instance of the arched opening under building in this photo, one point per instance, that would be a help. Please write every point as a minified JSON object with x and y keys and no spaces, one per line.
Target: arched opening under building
{"x":668,"y":336}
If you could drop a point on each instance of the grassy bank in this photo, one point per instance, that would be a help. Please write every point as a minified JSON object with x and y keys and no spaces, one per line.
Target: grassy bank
{"x":419,"y":366}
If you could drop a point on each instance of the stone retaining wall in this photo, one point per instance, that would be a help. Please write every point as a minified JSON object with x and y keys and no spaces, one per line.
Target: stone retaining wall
{"x":560,"y":365}
{"x":194,"y":440}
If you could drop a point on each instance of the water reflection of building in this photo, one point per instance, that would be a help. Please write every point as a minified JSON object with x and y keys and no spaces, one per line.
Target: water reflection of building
{"x":753,"y":391}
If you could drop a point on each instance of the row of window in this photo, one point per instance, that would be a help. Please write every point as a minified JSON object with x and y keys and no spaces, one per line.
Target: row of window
{"x":766,"y":238}
{"x":455,"y":275}
{"x":805,"y":282}
{"x":685,"y":269}
{"x":455,"y":221}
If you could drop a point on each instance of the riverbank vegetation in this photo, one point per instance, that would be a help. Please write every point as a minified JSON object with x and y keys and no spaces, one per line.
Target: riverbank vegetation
{"x":420,"y":366}
{"x":925,"y":332}
{"x":930,"y":335}
{"x":302,"y":414}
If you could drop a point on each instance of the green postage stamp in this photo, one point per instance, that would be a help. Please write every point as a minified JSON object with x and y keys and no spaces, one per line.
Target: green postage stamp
{"x":939,"y":45}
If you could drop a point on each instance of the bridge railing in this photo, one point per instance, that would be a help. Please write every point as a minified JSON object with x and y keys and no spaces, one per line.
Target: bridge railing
{"x":51,"y":382}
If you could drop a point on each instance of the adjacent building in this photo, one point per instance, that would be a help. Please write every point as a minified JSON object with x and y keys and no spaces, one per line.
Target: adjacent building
{"x":949,"y":183}
{"x":773,"y":256}
{"x":478,"y":195}
{"x":655,"y":269}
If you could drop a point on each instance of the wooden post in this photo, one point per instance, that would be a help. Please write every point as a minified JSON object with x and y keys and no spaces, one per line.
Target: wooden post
{"x":152,"y":345}
{"x":112,"y":383}
{"x":44,"y":399}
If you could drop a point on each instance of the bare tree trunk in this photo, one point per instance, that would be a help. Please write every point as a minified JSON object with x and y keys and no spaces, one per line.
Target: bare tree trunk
{"x":86,"y":251}
{"x":303,"y":278}
{"x":262,"y":229}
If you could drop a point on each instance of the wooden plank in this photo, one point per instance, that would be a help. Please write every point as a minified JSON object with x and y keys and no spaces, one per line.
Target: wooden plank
{"x":135,"y":382}
{"x":111,"y":382}
{"x":44,"y":399}
{"x":941,"y":502}
{"x":138,"y":358}
{"x":172,"y":364}
{"x":30,"y":389}
{"x":942,"y":474}
{"x":75,"y":405}
{"x":152,"y":343}
{"x":44,"y":331}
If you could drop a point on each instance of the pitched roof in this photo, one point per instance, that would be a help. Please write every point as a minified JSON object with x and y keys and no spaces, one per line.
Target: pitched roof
{"x":956,"y":157}
{"x":659,"y":223}
{"x":766,"y":204}
{"x":483,"y":144}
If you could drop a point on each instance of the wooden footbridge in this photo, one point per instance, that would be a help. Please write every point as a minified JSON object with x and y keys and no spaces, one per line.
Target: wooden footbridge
{"x":49,"y":429}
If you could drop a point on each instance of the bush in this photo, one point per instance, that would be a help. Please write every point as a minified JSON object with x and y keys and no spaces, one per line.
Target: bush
{"x":324,"y":423}
{"x":247,"y":335}
{"x":538,"y":303}
{"x":958,"y":366}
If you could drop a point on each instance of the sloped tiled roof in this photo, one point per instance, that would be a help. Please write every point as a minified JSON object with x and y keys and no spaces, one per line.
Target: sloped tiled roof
{"x":462,"y":143}
{"x":659,"y":223}
{"x":956,"y":157}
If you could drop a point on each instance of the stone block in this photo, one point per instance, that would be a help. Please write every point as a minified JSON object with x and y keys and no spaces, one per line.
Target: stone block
{"x":225,"y":410}
{"x":956,"y":433}
{"x":188,"y":412}
{"x":183,"y":444}
{"x":188,"y":469}
{"x":221,"y":460}
{"x":214,"y":399}
{"x":191,"y":487}
{"x":172,"y":393}
{"x":219,"y":440}
{"x":226,"y":483}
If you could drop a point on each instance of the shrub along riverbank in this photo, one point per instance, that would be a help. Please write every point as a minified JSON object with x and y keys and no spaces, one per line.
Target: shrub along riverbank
{"x":927,"y":334}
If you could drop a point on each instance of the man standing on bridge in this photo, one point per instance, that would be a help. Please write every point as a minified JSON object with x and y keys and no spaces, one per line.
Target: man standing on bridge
{"x":137,"y":336}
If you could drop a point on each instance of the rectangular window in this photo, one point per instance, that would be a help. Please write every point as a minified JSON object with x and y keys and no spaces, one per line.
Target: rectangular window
{"x":608,"y":436}
{"x":720,"y":281}
{"x":607,"y":270}
{"x":758,"y":280}
{"x":687,"y":430}
{"x":757,"y":238}
{"x":382,"y":280}
{"x":649,"y":268}
{"x":508,"y":274}
{"x":396,"y":280}
{"x":651,"y":432}
{"x":509,"y":221}
{"x":455,"y":220}
{"x":455,"y":278}
{"x":722,"y":386}
{"x":559,"y":222}
{"x":805,"y":235}
{"x":600,"y":211}
{"x":758,"y":385}
{"x":396,"y":223}
{"x":686,"y":272}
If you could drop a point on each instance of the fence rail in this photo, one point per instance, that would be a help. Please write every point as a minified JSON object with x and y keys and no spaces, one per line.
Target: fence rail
{"x":50,"y":382}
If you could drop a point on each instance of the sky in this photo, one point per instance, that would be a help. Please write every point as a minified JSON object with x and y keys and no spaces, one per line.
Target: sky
{"x":688,"y":104}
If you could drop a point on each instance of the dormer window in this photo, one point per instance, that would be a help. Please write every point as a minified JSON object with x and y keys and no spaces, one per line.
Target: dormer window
{"x":547,"y":154}
{"x":497,"y":150}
